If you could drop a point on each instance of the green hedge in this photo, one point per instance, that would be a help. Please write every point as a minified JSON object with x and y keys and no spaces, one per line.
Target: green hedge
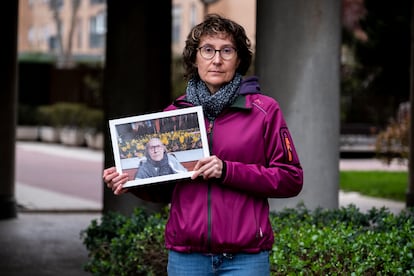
{"x":328,"y":242}
{"x":70,"y":114}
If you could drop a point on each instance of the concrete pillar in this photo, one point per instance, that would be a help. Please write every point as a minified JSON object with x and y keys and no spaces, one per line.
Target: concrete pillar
{"x":8,"y":99}
{"x":137,"y":72}
{"x":298,"y":62}
{"x":409,"y":199}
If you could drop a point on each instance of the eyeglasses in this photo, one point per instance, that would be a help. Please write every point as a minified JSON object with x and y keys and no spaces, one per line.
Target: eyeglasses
{"x":155,"y":148}
{"x":208,"y":52}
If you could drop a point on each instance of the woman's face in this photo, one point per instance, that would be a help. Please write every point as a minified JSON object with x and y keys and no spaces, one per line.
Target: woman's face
{"x":217,"y":71}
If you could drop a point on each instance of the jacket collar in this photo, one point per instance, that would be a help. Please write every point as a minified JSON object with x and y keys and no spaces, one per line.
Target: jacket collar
{"x":241,"y":103}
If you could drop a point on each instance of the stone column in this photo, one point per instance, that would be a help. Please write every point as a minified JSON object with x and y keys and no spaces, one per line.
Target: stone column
{"x":409,"y":199}
{"x":8,"y":99}
{"x":298,"y":62}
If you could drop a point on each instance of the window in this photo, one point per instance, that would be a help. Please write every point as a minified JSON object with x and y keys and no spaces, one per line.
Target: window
{"x":79,"y":32}
{"x":176,"y":23}
{"x":96,"y":2}
{"x":193,"y":15}
{"x":53,"y":43}
{"x":98,"y":23}
{"x":56,"y":5}
{"x":97,"y":30}
{"x":45,"y":33}
{"x":31,"y":35}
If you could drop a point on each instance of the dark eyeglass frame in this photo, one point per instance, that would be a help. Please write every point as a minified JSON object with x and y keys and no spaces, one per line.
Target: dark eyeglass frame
{"x":154,"y":147}
{"x":221,"y":51}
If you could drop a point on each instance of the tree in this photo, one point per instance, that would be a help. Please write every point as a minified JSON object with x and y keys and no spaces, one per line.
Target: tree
{"x":380,"y":72}
{"x":64,"y":51}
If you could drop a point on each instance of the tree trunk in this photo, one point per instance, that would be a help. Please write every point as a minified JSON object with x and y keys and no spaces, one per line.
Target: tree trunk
{"x":68,"y":59}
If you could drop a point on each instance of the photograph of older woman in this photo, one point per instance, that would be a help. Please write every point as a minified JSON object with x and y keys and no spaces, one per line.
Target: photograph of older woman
{"x":158,"y":162}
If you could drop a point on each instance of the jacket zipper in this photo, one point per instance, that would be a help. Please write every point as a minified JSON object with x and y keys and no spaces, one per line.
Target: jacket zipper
{"x":210,"y":142}
{"x":210,"y":135}
{"x":209,"y":217}
{"x":259,"y":231}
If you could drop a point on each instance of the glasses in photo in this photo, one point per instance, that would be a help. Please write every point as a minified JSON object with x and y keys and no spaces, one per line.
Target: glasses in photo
{"x":209,"y":52}
{"x":155,"y":147}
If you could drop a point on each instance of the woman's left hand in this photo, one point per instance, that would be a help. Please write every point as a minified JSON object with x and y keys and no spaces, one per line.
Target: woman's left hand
{"x":208,"y":167}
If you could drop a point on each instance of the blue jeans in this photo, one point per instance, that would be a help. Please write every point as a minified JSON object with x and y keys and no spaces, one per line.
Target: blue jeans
{"x":240,"y":264}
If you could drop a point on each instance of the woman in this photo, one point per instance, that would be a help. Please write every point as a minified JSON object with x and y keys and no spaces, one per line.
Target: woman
{"x":158,"y":161}
{"x":219,"y":220}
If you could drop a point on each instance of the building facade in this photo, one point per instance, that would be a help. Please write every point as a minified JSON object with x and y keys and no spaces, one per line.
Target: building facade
{"x":40,"y":20}
{"x":39,"y":24}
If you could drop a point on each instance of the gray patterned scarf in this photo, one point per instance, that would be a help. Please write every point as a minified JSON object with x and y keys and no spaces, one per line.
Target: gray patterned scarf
{"x":198,"y":94}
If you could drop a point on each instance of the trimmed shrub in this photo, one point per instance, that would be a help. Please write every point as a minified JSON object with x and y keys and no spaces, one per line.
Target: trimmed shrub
{"x":319,"y":242}
{"x":94,"y":119}
{"x":343,"y":241}
{"x":67,"y":114}
{"x":27,"y":115}
{"x":62,"y":114}
{"x":120,"y":245}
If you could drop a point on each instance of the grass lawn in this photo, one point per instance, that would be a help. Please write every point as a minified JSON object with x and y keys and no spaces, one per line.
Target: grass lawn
{"x":384,"y":184}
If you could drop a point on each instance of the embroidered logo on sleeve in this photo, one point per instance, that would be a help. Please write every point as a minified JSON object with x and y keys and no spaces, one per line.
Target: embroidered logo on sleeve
{"x":288,"y":148}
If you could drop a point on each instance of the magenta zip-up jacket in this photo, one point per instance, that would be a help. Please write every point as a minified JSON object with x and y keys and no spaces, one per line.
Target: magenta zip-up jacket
{"x":231,"y":214}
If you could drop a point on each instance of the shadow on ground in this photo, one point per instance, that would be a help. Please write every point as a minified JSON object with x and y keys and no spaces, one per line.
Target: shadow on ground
{"x":44,"y":244}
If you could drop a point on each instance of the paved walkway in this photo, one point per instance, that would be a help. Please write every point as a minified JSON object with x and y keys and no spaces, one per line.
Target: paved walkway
{"x":365,"y":203}
{"x":56,"y":205}
{"x":371,"y":165}
{"x":59,"y":192}
{"x":52,"y":177}
{"x":40,"y":197}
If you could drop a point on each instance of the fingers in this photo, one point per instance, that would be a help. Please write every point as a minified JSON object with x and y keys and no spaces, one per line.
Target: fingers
{"x":119,"y":190}
{"x":114,"y":180}
{"x":209,"y":167}
{"x":117,"y":183}
{"x":109,"y":174}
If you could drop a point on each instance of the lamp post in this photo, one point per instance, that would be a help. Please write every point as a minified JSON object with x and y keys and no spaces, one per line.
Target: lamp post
{"x":206,"y":3}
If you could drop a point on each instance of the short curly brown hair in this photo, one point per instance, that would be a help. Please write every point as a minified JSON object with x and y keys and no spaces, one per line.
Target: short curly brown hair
{"x":212,"y":25}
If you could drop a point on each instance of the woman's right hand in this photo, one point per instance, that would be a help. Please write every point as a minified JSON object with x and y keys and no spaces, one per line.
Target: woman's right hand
{"x":114,"y":180}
